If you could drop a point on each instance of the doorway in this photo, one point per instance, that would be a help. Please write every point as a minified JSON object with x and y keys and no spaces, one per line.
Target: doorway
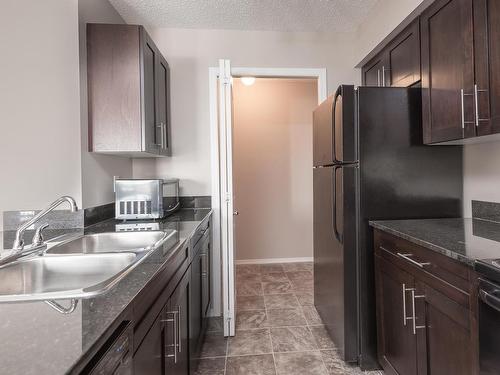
{"x":222,"y":85}
{"x":272,"y":174}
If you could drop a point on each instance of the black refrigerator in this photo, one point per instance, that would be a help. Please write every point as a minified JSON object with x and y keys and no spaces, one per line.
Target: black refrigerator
{"x":370,"y":164}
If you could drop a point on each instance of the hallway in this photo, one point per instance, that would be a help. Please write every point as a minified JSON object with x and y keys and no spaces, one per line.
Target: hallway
{"x":278,"y":330}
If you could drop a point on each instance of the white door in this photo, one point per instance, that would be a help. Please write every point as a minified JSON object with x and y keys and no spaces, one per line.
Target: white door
{"x":226,"y":192}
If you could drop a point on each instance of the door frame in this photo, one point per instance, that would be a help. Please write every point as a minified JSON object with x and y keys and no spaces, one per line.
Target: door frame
{"x":215,"y":159}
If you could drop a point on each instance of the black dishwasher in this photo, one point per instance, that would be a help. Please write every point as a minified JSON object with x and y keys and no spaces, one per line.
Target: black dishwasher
{"x":117,"y":358}
{"x":489,"y":317}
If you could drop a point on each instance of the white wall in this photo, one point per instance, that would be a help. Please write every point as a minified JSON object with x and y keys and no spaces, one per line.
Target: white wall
{"x":43,"y":106}
{"x":191,"y":52}
{"x":272,"y":173}
{"x":97,"y":170}
{"x":481,"y":174}
{"x":40,"y":146}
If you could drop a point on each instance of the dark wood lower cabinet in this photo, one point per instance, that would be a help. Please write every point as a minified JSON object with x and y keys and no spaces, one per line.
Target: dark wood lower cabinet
{"x":177,"y":331}
{"x":196,"y":310}
{"x":173,"y":342}
{"x":444,"y":334}
{"x":426,"y":311}
{"x":200,"y":297}
{"x":396,"y":343}
{"x":148,"y":359}
{"x":165,"y":349}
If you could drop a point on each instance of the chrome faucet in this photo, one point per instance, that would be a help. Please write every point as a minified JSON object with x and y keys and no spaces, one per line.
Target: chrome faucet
{"x":38,"y":239}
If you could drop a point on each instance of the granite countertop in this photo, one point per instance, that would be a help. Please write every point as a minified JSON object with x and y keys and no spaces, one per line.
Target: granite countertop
{"x":36,"y":339}
{"x":466,"y":240}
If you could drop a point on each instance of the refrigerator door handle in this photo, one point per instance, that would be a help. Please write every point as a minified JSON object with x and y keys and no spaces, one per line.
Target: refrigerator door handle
{"x":334,"y":151}
{"x":338,"y":235}
{"x":334,"y":140}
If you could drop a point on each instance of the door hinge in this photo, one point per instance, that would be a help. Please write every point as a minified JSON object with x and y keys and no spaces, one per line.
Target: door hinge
{"x":228,"y":197}
{"x":226,"y":80}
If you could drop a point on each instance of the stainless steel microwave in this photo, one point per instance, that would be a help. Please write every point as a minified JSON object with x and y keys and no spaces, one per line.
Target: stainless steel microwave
{"x":137,"y":199}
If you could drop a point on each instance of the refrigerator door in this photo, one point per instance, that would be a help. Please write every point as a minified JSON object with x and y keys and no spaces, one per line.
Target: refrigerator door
{"x":334,"y":130}
{"x":335,"y":287}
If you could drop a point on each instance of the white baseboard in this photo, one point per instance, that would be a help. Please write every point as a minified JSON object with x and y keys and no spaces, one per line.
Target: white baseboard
{"x":274,"y":260}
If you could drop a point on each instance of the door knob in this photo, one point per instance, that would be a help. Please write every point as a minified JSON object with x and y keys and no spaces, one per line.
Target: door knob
{"x":236,"y":213}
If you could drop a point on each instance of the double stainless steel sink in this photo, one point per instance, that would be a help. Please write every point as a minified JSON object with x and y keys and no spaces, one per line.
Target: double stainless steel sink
{"x":78,"y":267}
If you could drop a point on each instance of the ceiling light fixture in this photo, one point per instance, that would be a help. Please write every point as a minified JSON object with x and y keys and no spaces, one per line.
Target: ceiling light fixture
{"x":248,"y":81}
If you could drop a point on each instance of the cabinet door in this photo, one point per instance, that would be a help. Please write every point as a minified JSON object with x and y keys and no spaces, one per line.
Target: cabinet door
{"x":443,"y":330}
{"x":396,"y":342}
{"x":373,"y":73}
{"x":403,"y":54}
{"x":163,"y":105}
{"x":149,"y":66}
{"x":196,"y":310}
{"x":177,"y":358}
{"x":447,"y":71}
{"x":487,"y":65}
{"x":206,"y":277}
{"x":148,"y":359}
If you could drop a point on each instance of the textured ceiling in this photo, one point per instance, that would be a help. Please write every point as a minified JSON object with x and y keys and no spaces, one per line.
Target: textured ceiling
{"x":276,"y":15}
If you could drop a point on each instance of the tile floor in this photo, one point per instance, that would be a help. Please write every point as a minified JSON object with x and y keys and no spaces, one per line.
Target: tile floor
{"x":278,"y":330}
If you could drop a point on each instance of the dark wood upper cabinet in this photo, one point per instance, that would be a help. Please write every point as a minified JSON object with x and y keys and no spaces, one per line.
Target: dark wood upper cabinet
{"x":163,"y":135}
{"x":487,"y":65}
{"x":128,"y":92}
{"x":403,"y":55}
{"x":460,"y":70}
{"x":447,"y":71}
{"x":398,"y":64}
{"x":373,"y":72}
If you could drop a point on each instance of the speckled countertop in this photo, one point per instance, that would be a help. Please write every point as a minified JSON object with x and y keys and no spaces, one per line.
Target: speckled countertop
{"x":466,"y":240}
{"x":36,"y":339}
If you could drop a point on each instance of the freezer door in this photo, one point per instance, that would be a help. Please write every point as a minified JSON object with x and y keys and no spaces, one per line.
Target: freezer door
{"x":335,"y":293}
{"x":334,"y":130}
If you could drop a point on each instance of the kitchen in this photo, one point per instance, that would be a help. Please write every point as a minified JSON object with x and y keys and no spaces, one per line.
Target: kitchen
{"x":148,"y":300}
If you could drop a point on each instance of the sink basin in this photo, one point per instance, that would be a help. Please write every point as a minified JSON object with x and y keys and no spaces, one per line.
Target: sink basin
{"x":111,"y":243}
{"x":78,"y":267}
{"x":53,"y":277}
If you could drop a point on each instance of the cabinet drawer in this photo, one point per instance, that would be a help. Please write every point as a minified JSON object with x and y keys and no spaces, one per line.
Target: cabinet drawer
{"x":445,"y":274}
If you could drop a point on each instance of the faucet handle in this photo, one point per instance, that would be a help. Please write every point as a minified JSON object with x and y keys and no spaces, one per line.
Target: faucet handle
{"x":38,"y":236}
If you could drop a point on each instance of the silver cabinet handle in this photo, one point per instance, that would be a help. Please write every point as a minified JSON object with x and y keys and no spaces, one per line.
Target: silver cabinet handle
{"x":384,"y":69}
{"x":204,"y":265}
{"x":405,"y":289}
{"x":462,"y":106}
{"x":407,"y":257}
{"x":164,"y":138}
{"x":174,"y":320}
{"x":378,"y":77}
{"x":476,"y":102}
{"x":414,"y":317}
{"x":179,"y":328}
{"x":162,"y":135}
